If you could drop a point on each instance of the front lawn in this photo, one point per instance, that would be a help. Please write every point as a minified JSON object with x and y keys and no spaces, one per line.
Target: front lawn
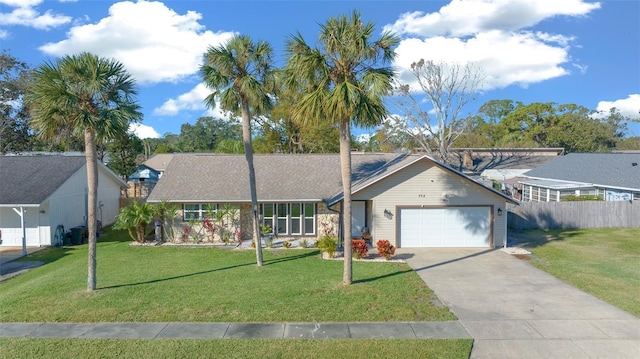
{"x":234,"y":348}
{"x":603,"y":262}
{"x":166,"y":284}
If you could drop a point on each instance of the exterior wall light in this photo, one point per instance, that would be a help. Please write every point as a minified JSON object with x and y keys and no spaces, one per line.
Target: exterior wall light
{"x":499,"y":212}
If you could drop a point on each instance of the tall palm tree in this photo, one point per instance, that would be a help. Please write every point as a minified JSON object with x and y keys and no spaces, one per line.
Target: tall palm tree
{"x":92,"y":97}
{"x":240,"y":74}
{"x":342,"y":84}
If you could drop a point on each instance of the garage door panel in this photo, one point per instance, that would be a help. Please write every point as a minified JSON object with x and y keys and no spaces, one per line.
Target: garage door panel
{"x":445,"y":227}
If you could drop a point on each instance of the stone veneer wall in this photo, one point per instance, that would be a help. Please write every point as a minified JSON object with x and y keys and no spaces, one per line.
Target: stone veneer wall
{"x":179,"y":224}
{"x":327,"y":223}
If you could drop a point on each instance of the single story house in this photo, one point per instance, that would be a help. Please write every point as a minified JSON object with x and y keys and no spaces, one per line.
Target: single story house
{"x":39,"y":193}
{"x":610,"y":176}
{"x":410,"y":200}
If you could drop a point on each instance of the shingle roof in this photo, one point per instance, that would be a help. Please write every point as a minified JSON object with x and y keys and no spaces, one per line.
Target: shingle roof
{"x":604,"y":169}
{"x":160,"y":161}
{"x":215,"y":177}
{"x":31,"y":179}
{"x":279,"y":177}
{"x":502,"y":158}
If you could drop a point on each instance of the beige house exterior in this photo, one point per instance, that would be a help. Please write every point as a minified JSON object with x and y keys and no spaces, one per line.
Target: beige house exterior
{"x":410,"y":200}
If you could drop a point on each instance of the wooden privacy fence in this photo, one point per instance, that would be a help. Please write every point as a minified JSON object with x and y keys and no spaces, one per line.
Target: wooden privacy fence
{"x":572,"y":215}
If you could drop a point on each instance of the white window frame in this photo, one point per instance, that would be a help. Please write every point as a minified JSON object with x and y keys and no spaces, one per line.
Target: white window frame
{"x":200,"y":211}
{"x":305,"y":216}
{"x":286,"y":219}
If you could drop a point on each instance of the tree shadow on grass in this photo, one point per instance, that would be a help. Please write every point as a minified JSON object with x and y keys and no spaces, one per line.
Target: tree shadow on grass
{"x":373,"y":279}
{"x":265,"y":262}
{"x":537,"y":238}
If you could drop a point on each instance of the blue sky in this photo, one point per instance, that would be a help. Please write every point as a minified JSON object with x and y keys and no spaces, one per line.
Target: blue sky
{"x":568,"y":51}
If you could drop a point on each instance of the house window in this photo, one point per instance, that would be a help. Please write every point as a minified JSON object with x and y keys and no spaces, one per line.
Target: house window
{"x":309,"y":218}
{"x":295,"y":224}
{"x":196,"y":211}
{"x":282,"y":218}
{"x":290,"y":218}
{"x":267,"y":216}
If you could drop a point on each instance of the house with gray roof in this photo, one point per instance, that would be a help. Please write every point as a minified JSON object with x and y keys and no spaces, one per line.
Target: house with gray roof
{"x":39,"y":193}
{"x":610,"y":176}
{"x":410,"y":200}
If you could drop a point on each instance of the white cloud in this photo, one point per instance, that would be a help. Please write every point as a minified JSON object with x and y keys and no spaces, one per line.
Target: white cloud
{"x":25,"y":14}
{"x":492,"y":34}
{"x":167,"y":46}
{"x":628,"y":107}
{"x":468,"y":17}
{"x":190,"y":101}
{"x":143,"y":131}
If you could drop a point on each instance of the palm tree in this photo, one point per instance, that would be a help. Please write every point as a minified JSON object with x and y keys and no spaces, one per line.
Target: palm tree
{"x":240,"y":75}
{"x":86,"y":95}
{"x":341,"y":85}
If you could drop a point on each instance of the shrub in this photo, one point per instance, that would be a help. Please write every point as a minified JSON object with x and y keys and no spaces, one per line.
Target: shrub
{"x":328,"y":244}
{"x":385,"y":249}
{"x":304,"y":243}
{"x":359,"y":248}
{"x":286,"y":244}
{"x":135,"y":218}
{"x":574,"y":198}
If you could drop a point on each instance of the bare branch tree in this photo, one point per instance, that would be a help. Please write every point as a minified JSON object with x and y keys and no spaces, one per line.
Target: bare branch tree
{"x":448,"y":87}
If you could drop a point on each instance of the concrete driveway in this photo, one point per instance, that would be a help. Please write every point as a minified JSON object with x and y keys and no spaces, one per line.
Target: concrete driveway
{"x":514,"y":310}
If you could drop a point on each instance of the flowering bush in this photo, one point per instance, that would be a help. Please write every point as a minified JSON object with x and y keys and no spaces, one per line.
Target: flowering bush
{"x":359,"y":248}
{"x":385,"y":249}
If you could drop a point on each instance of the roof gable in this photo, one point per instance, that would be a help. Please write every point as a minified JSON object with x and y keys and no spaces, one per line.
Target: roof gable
{"x":144,"y":172}
{"x":30,"y":180}
{"x":604,"y":169}
{"x":406,"y":161}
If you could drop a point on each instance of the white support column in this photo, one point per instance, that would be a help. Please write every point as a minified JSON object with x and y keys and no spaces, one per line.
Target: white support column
{"x":24,"y":230}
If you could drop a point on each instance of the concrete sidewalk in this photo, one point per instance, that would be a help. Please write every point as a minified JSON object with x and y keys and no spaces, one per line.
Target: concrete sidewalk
{"x":356,"y":330}
{"x":514,"y":310}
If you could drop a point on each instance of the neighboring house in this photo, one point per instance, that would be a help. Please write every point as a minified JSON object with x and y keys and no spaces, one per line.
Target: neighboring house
{"x":159,"y":162}
{"x":501,"y":167}
{"x":501,"y":163}
{"x":610,"y":176}
{"x":411,"y":200}
{"x":46,"y":191}
{"x":142,"y":181}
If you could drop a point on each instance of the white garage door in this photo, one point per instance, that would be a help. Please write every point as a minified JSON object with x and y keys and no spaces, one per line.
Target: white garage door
{"x":445,"y":227}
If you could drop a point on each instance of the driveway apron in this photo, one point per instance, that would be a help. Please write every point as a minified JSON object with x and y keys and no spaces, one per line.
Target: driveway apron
{"x":514,"y":310}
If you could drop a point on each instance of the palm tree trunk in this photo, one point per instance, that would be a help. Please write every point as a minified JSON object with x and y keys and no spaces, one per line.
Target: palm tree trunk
{"x":92,"y":200}
{"x":345,"y":168}
{"x":248,"y":153}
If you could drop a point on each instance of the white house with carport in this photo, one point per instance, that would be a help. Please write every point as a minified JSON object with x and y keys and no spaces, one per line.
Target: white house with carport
{"x":410,"y":200}
{"x":39,"y":193}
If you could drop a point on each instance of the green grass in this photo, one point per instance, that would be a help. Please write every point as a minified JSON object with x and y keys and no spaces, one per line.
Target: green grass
{"x":234,"y":348}
{"x":603,"y":262}
{"x":158,"y":284}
